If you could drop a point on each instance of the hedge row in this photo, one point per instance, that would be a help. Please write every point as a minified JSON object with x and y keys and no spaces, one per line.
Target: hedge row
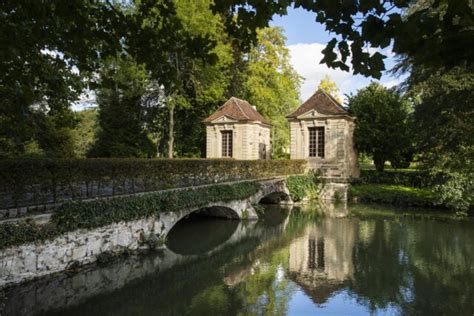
{"x":411,"y":178}
{"x":393,"y":194}
{"x":26,"y":182}
{"x":74,"y":215}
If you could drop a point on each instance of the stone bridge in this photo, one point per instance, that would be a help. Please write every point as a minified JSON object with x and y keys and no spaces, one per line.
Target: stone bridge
{"x":83,"y":246}
{"x":271,"y":191}
{"x":61,"y":291}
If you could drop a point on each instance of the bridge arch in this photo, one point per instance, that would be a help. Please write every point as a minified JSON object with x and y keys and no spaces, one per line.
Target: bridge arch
{"x":204,"y":227}
{"x":270,"y":190}
{"x":276,"y":197}
{"x":238,"y":209}
{"x":273,"y":192}
{"x":220,"y":211}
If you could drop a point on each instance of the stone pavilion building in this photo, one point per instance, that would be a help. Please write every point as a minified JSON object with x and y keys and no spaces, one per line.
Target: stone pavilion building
{"x":237,"y":130}
{"x":321,"y":131}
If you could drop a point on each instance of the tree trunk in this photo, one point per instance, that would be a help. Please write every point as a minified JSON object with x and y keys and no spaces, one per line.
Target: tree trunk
{"x":171,"y":132}
{"x":379,"y":161}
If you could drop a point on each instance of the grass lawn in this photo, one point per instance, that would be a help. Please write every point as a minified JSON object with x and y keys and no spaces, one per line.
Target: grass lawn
{"x":388,"y":167}
{"x":393,"y":194}
{"x":369,"y":210}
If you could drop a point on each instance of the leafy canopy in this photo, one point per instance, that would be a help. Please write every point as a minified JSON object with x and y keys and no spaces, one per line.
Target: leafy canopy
{"x":444,"y":120}
{"x":444,"y":33}
{"x":272,"y":85}
{"x":122,"y":133}
{"x":382,"y":123}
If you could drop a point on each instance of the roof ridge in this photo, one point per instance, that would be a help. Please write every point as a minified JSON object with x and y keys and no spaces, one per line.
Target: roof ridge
{"x":234,"y":99}
{"x":321,"y":101}
{"x":238,"y":109}
{"x":333,"y":100}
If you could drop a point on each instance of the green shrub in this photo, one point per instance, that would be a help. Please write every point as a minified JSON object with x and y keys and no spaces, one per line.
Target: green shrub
{"x":393,"y":194}
{"x":42,"y":181}
{"x":12,"y":234}
{"x":411,"y":178}
{"x":304,"y":186}
{"x":74,"y":215}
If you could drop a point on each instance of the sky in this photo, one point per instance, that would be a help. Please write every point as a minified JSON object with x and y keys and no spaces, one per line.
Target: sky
{"x":305,"y":40}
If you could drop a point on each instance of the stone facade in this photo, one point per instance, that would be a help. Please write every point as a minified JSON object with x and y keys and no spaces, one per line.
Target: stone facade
{"x":321,"y":110}
{"x":250,"y":132}
{"x":251,"y":141}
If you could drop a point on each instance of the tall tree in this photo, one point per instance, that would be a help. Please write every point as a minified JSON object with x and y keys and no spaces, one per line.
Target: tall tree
{"x":52,"y":49}
{"x":330,"y":87}
{"x":48,"y":47}
{"x":444,"y":120}
{"x":201,"y":85}
{"x":122,"y":132}
{"x":272,"y":85}
{"x":383,"y":123}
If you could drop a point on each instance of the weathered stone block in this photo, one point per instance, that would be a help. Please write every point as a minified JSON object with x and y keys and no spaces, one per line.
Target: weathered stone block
{"x":13,"y":212}
{"x":79,"y":252}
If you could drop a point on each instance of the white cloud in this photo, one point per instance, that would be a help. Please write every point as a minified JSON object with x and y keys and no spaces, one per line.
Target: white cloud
{"x":305,"y":60}
{"x":391,"y":83}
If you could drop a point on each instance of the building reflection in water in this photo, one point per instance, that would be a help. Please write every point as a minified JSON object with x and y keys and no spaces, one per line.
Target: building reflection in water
{"x":321,"y":260}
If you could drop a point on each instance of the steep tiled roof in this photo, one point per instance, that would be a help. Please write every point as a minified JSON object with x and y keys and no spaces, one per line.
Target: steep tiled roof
{"x":239,"y":110}
{"x":322,"y":102}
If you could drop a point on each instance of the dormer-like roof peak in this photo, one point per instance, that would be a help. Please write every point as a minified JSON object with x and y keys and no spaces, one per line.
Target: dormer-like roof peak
{"x":239,"y":110}
{"x":323,"y":103}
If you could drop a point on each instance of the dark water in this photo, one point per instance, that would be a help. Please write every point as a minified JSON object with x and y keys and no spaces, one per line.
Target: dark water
{"x":290,"y":263}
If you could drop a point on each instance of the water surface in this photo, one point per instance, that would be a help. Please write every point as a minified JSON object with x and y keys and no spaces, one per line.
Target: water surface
{"x":298,"y":262}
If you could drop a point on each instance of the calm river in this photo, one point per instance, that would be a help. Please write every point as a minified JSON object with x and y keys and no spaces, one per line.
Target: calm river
{"x":298,"y":262}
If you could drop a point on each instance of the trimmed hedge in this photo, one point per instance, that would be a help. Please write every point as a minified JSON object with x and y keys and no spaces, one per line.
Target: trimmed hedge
{"x":74,"y":215}
{"x":410,"y":178}
{"x":25,"y":182}
{"x":393,"y":194}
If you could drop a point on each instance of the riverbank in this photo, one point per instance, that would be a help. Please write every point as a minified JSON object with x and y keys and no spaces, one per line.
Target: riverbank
{"x":395,"y":212}
{"x":402,"y":187}
{"x":398,"y":195}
